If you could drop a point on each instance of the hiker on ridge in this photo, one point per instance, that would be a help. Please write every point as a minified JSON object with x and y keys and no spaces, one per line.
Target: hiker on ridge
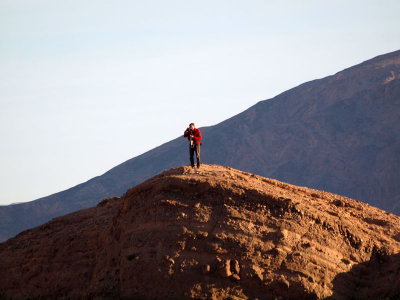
{"x":194,"y":136}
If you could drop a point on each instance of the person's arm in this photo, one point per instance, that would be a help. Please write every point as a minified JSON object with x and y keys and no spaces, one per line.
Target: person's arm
{"x":198,"y":135}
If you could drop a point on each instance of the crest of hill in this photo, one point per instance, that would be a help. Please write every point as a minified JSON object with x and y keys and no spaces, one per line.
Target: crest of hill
{"x":338,"y":134}
{"x":211,"y":233}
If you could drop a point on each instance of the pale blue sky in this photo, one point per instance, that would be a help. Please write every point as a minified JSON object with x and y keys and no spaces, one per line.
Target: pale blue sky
{"x":86,"y":85}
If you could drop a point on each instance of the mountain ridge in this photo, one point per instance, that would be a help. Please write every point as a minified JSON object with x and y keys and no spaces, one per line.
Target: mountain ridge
{"x":323,"y":134}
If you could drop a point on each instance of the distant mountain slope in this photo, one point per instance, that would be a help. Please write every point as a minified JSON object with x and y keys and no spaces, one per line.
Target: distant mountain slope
{"x":339,"y":134}
{"x":218,"y":233}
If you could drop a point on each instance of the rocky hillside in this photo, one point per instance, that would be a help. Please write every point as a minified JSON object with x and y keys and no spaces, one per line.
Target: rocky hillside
{"x":339,"y":134}
{"x":216,"y":233}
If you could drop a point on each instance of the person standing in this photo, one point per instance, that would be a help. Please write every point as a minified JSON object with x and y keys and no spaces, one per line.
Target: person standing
{"x":193,"y":135}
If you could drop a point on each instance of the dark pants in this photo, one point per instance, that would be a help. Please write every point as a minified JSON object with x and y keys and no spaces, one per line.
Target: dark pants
{"x":196,"y":148}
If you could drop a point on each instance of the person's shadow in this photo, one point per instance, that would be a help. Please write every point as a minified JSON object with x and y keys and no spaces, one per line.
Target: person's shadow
{"x":378,"y":278}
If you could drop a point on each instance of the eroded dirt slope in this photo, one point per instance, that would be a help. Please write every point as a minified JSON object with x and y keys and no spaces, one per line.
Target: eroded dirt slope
{"x":213,"y":233}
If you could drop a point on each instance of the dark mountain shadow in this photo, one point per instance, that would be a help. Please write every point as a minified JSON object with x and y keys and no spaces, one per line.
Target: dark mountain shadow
{"x":378,"y":278}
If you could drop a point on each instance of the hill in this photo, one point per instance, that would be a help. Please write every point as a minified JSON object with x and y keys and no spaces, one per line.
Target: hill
{"x":338,"y":134}
{"x":217,"y":233}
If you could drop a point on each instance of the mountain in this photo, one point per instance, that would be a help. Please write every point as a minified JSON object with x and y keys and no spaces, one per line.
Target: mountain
{"x":338,"y":134}
{"x":216,"y":233}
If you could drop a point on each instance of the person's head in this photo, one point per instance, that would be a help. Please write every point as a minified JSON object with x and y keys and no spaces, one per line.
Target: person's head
{"x":191,"y":126}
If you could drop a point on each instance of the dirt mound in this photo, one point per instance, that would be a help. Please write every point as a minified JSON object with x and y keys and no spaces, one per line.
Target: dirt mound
{"x":215,"y":233}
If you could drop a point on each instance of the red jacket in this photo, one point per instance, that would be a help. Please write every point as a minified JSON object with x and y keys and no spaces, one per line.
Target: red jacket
{"x":196,"y":135}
